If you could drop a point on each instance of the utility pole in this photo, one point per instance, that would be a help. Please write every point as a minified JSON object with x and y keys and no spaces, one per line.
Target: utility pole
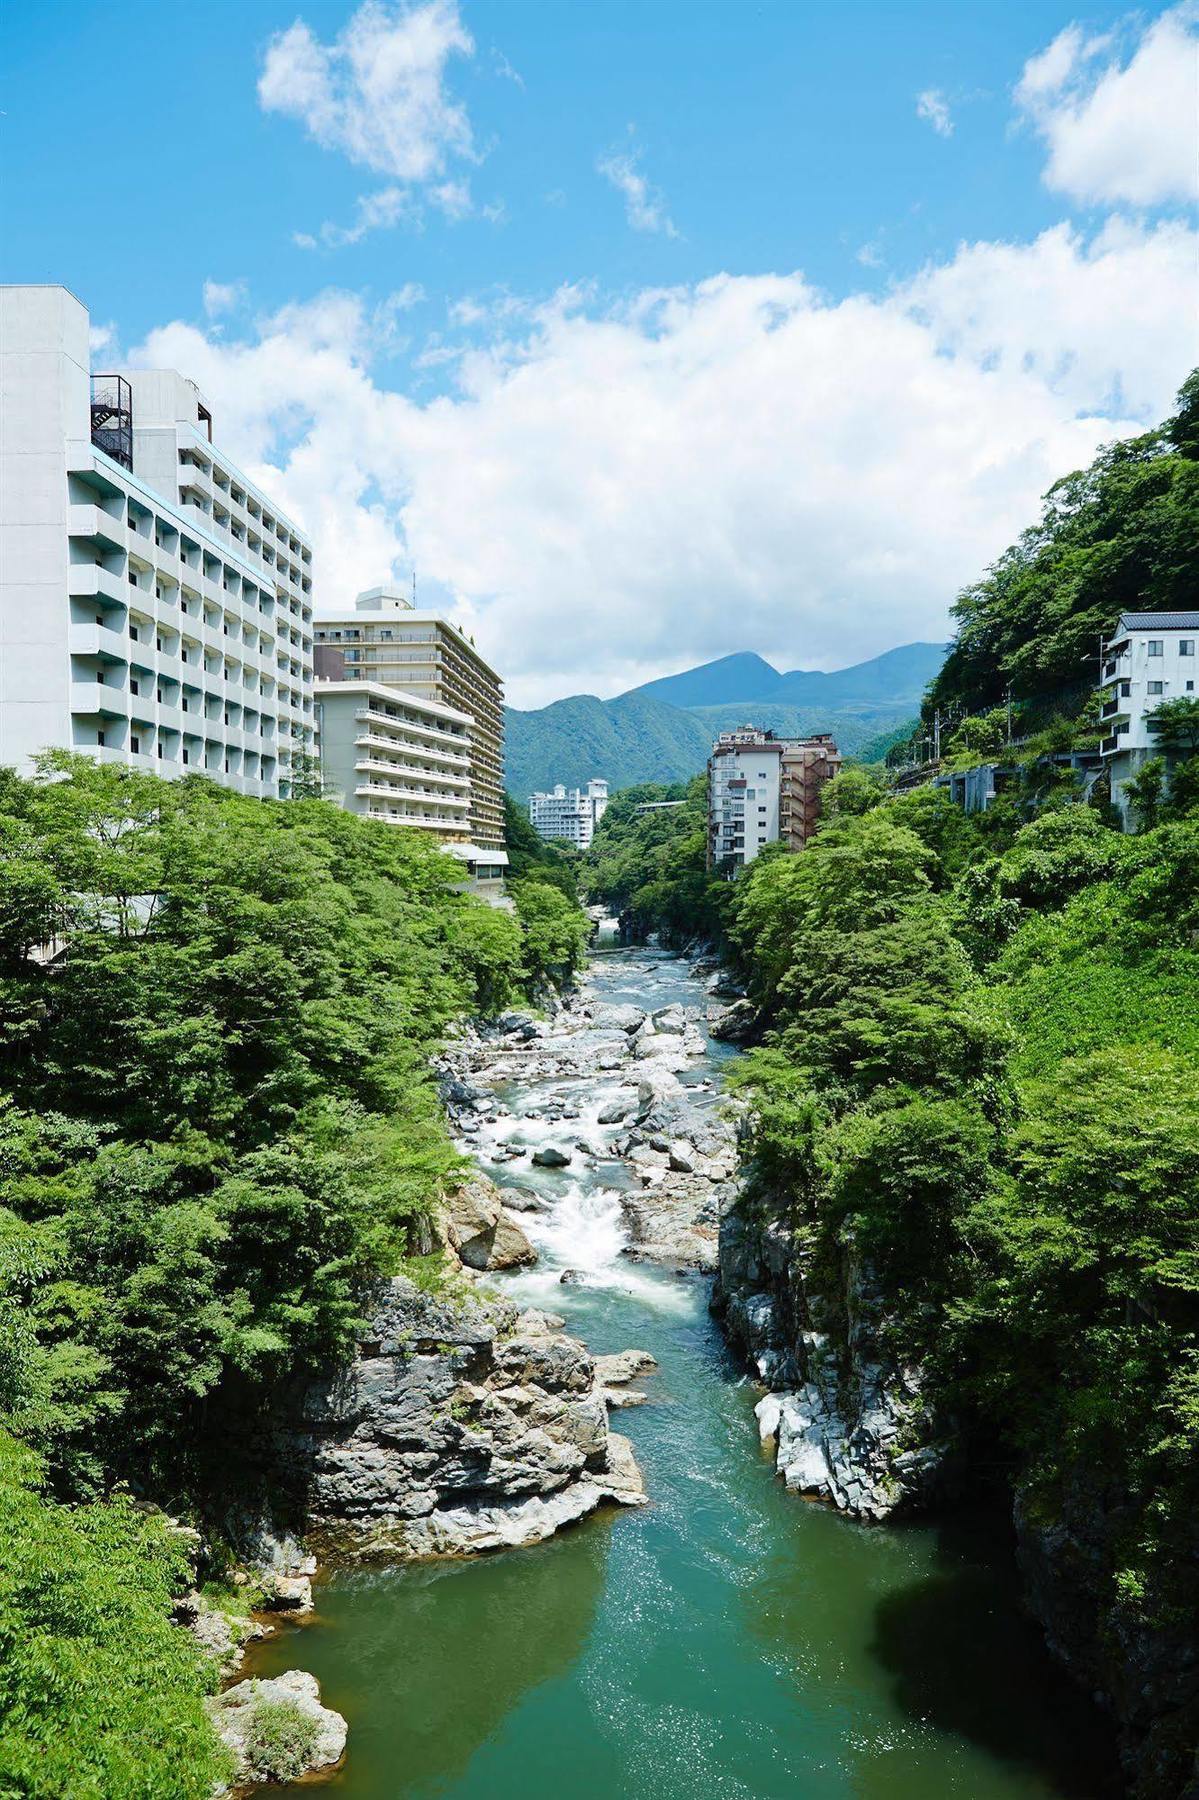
{"x":937,"y":735}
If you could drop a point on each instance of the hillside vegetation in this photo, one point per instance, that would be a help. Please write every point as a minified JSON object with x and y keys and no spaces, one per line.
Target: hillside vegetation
{"x":1121,"y":535}
{"x":664,"y":730}
{"x":217,"y":1126}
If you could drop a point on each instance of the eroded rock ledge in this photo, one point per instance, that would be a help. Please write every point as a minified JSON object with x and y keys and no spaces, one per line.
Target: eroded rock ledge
{"x":461,"y":1426}
{"x":847,"y":1425}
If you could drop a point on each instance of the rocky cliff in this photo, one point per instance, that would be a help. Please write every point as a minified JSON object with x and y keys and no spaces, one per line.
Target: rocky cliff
{"x":462,"y":1425}
{"x":1142,"y":1662}
{"x":848,"y":1424}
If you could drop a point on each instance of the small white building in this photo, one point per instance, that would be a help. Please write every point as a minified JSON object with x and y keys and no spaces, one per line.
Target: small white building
{"x":155,"y":604}
{"x":1150,"y":657}
{"x":570,"y":814}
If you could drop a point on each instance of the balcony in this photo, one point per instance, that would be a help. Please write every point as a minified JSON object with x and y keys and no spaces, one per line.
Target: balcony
{"x":93,"y":523}
{"x":396,"y":792}
{"x":425,"y":821}
{"x":371,"y":766}
{"x":98,"y":640}
{"x":88,"y":581}
{"x":92,"y":697}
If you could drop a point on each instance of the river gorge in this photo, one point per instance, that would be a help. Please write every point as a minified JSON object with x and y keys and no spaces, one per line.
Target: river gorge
{"x":728,"y":1638}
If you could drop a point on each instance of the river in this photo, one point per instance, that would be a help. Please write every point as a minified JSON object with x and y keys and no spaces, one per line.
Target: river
{"x":727,"y":1640}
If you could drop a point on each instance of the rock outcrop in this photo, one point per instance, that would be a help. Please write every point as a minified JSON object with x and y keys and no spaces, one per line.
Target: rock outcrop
{"x":1140,"y":1659}
{"x":461,"y":1426}
{"x":482,"y":1234}
{"x":847,"y":1425}
{"x":277,"y":1730}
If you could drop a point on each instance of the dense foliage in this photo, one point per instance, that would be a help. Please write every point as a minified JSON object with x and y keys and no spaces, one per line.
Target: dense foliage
{"x":217,"y":1125}
{"x":1121,"y":535}
{"x":100,"y":1695}
{"x":647,"y":867}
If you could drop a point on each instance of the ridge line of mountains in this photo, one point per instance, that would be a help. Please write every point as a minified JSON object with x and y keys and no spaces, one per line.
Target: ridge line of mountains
{"x":663,"y":730}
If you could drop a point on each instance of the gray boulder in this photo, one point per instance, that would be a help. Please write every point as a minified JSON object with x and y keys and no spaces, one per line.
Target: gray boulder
{"x":482,"y":1234}
{"x":550,"y":1157}
{"x":671,"y":1019}
{"x":737,"y":1024}
{"x":460,"y":1426}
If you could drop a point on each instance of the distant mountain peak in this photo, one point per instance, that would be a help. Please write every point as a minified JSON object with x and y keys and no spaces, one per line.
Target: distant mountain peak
{"x":663,"y":731}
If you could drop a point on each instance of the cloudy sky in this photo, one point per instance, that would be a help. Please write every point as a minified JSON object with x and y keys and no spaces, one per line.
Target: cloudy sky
{"x":645,"y":331}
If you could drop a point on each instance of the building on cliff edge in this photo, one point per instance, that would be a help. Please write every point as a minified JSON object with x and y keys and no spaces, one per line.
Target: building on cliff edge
{"x":412,"y":722}
{"x":764,"y":790}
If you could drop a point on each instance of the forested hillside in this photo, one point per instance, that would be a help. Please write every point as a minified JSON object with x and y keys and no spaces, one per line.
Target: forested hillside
{"x":217,"y":1126}
{"x":664,"y":730}
{"x":1123,"y":534}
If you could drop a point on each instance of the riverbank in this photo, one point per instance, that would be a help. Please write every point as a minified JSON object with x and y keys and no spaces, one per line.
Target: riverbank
{"x":728,"y":1638}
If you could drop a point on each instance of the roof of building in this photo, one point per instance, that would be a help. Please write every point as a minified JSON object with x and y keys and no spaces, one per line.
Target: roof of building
{"x":356,"y":690}
{"x":1157,"y":621}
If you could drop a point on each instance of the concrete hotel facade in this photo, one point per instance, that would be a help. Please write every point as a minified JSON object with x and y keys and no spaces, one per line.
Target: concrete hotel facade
{"x":155,"y":605}
{"x":384,"y":639}
{"x":1150,"y":657}
{"x":763,"y":790}
{"x":572,"y":815}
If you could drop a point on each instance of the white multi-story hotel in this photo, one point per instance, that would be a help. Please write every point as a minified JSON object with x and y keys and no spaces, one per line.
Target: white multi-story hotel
{"x":764,"y":790}
{"x":155,"y":605}
{"x":383,"y":638}
{"x":398,"y":757}
{"x":1150,"y":657}
{"x":570,"y":814}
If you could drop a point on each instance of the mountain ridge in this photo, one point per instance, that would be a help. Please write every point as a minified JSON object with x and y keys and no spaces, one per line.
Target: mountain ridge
{"x":663,"y":730}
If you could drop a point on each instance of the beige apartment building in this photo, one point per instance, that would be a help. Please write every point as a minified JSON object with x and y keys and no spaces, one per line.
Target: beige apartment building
{"x":385,"y":640}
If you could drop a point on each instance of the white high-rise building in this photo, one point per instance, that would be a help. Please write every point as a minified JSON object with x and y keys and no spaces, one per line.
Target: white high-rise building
{"x":570,"y":814}
{"x":764,"y":790}
{"x":155,"y":605}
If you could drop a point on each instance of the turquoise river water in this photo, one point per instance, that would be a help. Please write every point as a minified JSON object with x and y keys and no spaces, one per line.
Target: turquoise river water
{"x":727,"y":1640}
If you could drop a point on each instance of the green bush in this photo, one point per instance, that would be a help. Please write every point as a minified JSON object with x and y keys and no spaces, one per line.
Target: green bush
{"x":100,"y":1694}
{"x":280,"y":1739}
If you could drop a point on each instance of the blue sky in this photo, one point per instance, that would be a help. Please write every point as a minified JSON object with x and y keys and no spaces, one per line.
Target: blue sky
{"x":489,"y":384}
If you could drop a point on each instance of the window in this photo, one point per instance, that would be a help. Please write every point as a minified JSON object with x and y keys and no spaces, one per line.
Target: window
{"x":1125,"y":689}
{"x":1156,"y":687}
{"x":1186,"y":646}
{"x":134,"y":685}
{"x":135,"y":744}
{"x":100,"y":739}
{"x":1155,"y":646}
{"x":1190,"y":687}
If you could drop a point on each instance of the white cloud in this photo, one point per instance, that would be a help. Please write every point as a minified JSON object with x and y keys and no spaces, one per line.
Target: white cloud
{"x":378,"y":94}
{"x":644,"y":206}
{"x":933,"y":106}
{"x":607,"y":492}
{"x":1119,"y":131}
{"x":222,"y":297}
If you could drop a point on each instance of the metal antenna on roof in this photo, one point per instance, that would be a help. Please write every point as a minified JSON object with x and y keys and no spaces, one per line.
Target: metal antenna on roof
{"x":414,"y":587}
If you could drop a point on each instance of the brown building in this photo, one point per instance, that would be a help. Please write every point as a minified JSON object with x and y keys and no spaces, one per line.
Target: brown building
{"x":807,"y":763}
